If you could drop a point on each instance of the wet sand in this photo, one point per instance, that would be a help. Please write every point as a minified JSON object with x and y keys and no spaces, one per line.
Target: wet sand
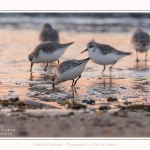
{"x":73,"y":124}
{"x":47,"y":114}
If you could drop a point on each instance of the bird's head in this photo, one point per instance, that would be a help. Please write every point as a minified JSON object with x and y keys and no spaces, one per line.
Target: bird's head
{"x":54,"y":79}
{"x":47,"y":25}
{"x":90,"y":46}
{"x":31,"y":58}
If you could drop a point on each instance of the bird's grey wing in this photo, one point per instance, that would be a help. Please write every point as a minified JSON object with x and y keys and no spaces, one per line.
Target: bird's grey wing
{"x":48,"y":47}
{"x":122,"y":53}
{"x":141,"y":38}
{"x":69,"y":64}
{"x":49,"y":35}
{"x":105,"y":49}
{"x":51,"y":47}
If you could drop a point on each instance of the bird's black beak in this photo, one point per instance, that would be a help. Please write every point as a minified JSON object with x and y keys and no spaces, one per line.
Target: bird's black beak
{"x":84,"y":51}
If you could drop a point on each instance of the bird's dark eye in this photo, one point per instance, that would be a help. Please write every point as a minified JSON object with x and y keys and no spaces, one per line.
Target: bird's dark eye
{"x":90,"y":46}
{"x":53,"y":78}
{"x":30,"y":58}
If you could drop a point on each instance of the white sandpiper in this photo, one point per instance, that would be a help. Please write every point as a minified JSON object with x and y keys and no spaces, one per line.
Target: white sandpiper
{"x":69,"y":70}
{"x":141,"y":42}
{"x":104,"y":54}
{"x":48,"y":34}
{"x":47,"y":52}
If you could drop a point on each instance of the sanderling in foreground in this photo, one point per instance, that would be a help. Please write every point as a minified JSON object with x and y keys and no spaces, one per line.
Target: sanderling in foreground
{"x":48,"y":34}
{"x":47,"y":52}
{"x":141,"y":42}
{"x":69,"y":70}
{"x":104,"y":54}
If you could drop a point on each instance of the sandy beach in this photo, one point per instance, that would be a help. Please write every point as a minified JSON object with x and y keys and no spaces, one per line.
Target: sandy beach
{"x":29,"y":108}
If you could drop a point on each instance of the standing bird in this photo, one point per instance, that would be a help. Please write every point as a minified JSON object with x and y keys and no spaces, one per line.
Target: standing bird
{"x":141,"y":42}
{"x":48,"y":34}
{"x":69,"y":70}
{"x":104,"y":54}
{"x":47,"y":52}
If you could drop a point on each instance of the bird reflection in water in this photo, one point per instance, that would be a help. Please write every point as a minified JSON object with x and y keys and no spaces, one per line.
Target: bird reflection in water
{"x":31,"y":76}
{"x":74,"y":91}
{"x":141,"y":66}
{"x":109,"y":83}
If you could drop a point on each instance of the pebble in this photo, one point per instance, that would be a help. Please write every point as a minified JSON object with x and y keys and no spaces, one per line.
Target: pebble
{"x":71,"y":113}
{"x":127,"y":103}
{"x":22,"y":117}
{"x":144,"y":99}
{"x":84,"y":101}
{"x":111,"y":99}
{"x":81,"y":119}
{"x":121,"y":114}
{"x":91,"y":102}
{"x":10,"y":94}
{"x":11,"y":91}
{"x":104,"y":107}
{"x":28,"y":93}
{"x":17,"y":82}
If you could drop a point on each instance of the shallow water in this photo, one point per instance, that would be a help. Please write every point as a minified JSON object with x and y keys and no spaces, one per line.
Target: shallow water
{"x":128,"y":81}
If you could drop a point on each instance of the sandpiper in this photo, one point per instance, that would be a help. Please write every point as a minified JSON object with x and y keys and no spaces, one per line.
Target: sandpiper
{"x":141,"y":42}
{"x":104,"y":54}
{"x":48,"y":34}
{"x":69,"y":70}
{"x":47,"y":52}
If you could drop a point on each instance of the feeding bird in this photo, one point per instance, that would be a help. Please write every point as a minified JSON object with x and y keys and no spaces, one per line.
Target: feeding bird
{"x":47,"y":52}
{"x":69,"y":70}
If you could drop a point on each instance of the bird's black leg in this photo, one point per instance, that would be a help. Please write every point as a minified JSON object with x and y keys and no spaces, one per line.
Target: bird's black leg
{"x":104,"y":83}
{"x":31,"y":67}
{"x":103,"y":69}
{"x":112,"y":66}
{"x":45,"y":67}
{"x":110,"y":82}
{"x":72,"y":83}
{"x":58,"y":62}
{"x":53,"y":85}
{"x":137,"y":56}
{"x":77,"y":80}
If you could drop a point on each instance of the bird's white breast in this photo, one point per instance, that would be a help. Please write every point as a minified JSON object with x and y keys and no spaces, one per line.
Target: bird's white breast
{"x":71,"y":73}
{"x":101,"y":59}
{"x":49,"y":57}
{"x":141,"y":48}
